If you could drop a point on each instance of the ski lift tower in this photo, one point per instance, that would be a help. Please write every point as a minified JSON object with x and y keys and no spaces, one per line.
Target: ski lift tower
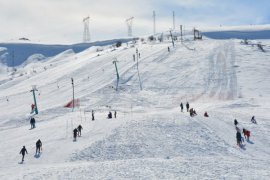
{"x":86,"y":33}
{"x":129,"y":25}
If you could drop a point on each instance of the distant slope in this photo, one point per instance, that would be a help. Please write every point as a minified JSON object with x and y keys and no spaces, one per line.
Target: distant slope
{"x":23,"y":50}
{"x":261,"y":34}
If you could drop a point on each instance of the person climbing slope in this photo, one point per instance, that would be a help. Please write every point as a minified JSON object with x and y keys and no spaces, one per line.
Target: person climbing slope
{"x":23,"y":151}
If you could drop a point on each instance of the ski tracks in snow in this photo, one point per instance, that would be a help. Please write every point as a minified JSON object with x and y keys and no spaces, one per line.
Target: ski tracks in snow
{"x":222,"y":79}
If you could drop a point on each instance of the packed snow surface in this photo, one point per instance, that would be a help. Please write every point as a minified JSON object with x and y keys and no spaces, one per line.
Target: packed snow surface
{"x":150,"y":138}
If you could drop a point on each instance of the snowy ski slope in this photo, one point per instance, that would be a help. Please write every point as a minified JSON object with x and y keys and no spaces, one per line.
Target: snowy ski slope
{"x":150,"y":138}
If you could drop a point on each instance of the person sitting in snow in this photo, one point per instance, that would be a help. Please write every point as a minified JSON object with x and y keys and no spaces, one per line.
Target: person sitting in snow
{"x":253,"y":120}
{"x":110,"y":115}
{"x":205,"y":114}
{"x":246,"y":134}
{"x":191,"y":112}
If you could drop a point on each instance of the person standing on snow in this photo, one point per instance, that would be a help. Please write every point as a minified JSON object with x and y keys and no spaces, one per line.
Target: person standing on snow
{"x":235,"y":122}
{"x":238,"y":139}
{"x":182,"y":107}
{"x":187,"y":106}
{"x":93,"y":116}
{"x":23,"y":151}
{"x":32,"y":122}
{"x":114,"y":114}
{"x":75,"y":133}
{"x":80,"y":130}
{"x":38,"y":146}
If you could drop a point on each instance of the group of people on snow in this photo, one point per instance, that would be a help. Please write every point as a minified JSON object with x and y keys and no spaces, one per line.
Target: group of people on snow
{"x":32,"y":122}
{"x":23,"y":151}
{"x":77,"y":132}
{"x":246,"y":133}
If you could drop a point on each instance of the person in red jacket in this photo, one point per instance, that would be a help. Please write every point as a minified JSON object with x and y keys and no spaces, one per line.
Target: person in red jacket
{"x":246,"y":134}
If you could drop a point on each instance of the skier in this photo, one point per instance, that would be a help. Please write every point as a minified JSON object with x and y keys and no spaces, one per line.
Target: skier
{"x":187,"y":106}
{"x":253,"y":120}
{"x":246,"y":134}
{"x":109,"y":115}
{"x":168,"y":49}
{"x":235,"y":122}
{"x":75,"y":133}
{"x":114,"y":114}
{"x":93,"y":116}
{"x":38,"y":146}
{"x":182,"y":107}
{"x":205,"y":114}
{"x":238,"y":139}
{"x":23,"y":151}
{"x":80,"y":130}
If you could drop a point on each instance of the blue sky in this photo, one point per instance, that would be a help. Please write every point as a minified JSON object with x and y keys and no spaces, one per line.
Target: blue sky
{"x":60,"y":21}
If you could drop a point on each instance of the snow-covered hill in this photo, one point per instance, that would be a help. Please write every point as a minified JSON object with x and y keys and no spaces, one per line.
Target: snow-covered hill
{"x":150,"y":138}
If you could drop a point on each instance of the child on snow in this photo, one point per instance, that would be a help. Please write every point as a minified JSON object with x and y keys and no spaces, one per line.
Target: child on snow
{"x":246,"y":134}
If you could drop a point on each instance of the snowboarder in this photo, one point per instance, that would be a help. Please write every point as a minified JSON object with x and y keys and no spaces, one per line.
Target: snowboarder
{"x":253,"y":120}
{"x":23,"y":151}
{"x":246,"y":134}
{"x":32,"y":122}
{"x":38,"y":146}
{"x":114,"y":114}
{"x":205,"y":114}
{"x":109,"y":115}
{"x":80,"y":130}
{"x":235,"y":122}
{"x":238,"y":139}
{"x":75,"y":133}
{"x":187,"y":106}
{"x":93,"y":116}
{"x":182,"y":107}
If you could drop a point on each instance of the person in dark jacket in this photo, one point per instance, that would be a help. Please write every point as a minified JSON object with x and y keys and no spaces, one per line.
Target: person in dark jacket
{"x":182,"y":107}
{"x":75,"y":133}
{"x":80,"y":130}
{"x":253,"y":120}
{"x":23,"y":151}
{"x":93,"y":115}
{"x":205,"y":114}
{"x":235,"y":122}
{"x":110,"y":115}
{"x":114,"y":114}
{"x":38,"y":146}
{"x":187,"y":106}
{"x":32,"y":122}
{"x":238,"y":139}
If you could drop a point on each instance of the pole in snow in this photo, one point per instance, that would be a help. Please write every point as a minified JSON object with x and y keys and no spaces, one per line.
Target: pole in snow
{"x":72,"y":94}
{"x":172,"y":38}
{"x":34,"y":95}
{"x":117,"y":74}
{"x":137,"y":52}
